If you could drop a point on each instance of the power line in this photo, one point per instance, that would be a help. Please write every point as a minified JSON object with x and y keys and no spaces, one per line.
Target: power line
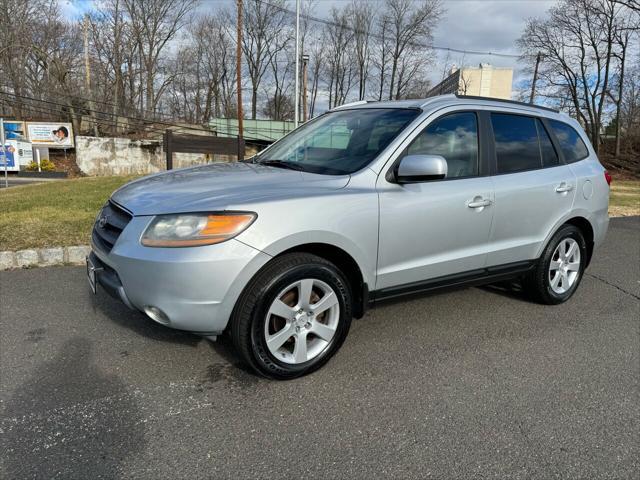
{"x":141,"y":120}
{"x":51,"y":111}
{"x":380,"y":37}
{"x":145,"y":123}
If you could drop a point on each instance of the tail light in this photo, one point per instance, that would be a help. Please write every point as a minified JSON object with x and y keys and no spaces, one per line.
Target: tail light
{"x":607,"y":177}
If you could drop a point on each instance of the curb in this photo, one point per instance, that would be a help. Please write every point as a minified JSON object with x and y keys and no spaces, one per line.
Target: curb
{"x":44,"y":257}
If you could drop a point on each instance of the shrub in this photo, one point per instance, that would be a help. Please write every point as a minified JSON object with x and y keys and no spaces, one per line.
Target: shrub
{"x":46,"y":165}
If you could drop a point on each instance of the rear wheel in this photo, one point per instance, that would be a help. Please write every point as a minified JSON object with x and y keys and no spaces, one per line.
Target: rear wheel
{"x":293,"y":316}
{"x":559,"y":270}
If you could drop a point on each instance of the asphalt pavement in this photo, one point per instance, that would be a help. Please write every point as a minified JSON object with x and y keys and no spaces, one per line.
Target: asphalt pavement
{"x":15,"y":181}
{"x":470,"y":383}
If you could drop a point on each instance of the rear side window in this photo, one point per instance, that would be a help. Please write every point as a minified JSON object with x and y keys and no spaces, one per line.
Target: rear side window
{"x":549,"y":155}
{"x":572,"y":146}
{"x":516,"y":140}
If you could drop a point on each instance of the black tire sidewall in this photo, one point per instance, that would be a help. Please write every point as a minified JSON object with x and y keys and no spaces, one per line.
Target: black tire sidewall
{"x":264,"y":360}
{"x":568,"y":231}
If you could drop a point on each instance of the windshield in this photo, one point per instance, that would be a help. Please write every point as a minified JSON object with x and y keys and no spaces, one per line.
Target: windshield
{"x":339,"y":143}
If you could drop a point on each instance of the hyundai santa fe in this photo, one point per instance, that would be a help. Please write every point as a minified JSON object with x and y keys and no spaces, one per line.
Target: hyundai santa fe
{"x":367,"y":202}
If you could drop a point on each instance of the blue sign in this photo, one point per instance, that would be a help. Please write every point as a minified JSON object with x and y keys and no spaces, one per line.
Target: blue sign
{"x":10,"y":161}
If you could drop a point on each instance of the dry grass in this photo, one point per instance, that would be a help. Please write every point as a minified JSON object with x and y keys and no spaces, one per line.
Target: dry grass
{"x":56,"y":213}
{"x":624,"y":199}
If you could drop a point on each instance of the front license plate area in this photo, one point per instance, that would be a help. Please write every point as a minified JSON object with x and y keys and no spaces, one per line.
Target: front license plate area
{"x":91,"y":275}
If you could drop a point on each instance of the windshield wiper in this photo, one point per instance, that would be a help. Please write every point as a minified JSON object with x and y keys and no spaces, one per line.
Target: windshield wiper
{"x":282,"y":164}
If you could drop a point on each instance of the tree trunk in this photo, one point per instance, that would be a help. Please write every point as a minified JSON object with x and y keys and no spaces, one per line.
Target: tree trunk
{"x":254,"y":102}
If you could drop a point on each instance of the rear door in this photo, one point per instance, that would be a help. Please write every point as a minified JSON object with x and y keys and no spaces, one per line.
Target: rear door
{"x":533,"y":188}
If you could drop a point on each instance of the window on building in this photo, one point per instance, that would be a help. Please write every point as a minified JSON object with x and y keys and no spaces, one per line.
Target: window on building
{"x":454,"y":137}
{"x":572,"y":146}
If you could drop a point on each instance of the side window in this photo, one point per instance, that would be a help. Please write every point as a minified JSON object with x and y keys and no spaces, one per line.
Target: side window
{"x":549,"y":155}
{"x":454,"y":137}
{"x":516,"y":141}
{"x":572,"y":146}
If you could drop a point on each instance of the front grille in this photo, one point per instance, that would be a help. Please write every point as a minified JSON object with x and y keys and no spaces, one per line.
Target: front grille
{"x":109,"y":225}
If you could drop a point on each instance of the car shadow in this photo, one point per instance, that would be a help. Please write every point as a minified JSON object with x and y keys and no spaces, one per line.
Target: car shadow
{"x":71,"y":420}
{"x":509,"y":289}
{"x":234,"y":370}
{"x":138,"y":322}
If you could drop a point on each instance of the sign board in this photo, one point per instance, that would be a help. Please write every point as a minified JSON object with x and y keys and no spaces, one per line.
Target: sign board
{"x":24,"y":151}
{"x":9,"y":158}
{"x":52,"y":135}
{"x":14,"y":130}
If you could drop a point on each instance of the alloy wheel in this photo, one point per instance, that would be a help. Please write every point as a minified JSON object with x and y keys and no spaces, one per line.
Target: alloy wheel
{"x":302,"y":321}
{"x":564,"y":267}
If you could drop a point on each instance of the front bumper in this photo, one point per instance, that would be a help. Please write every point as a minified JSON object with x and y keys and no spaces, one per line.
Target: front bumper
{"x":196,"y":287}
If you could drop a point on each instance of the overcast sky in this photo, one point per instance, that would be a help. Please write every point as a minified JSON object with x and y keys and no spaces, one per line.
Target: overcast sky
{"x":485,"y":25}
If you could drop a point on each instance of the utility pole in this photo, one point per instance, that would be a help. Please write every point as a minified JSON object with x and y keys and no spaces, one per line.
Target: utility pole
{"x":4,"y":154}
{"x":238,"y":67}
{"x":305,"y":61}
{"x":297,"y":89}
{"x":535,"y":78}
{"x":87,"y":73}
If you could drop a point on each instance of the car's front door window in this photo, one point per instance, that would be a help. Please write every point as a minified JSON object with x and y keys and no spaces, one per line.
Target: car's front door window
{"x":454,"y":137}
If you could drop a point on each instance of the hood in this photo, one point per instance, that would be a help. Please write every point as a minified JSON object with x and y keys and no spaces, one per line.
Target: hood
{"x":219,"y":186}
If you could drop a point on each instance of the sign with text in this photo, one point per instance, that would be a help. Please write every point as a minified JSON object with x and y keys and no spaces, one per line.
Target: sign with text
{"x":8,"y":156}
{"x":52,"y":135}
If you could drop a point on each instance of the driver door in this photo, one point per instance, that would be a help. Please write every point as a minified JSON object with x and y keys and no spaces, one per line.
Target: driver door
{"x":436,"y":228}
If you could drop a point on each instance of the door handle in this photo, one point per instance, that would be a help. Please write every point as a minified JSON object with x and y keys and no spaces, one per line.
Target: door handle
{"x":483,"y":202}
{"x":564,"y":187}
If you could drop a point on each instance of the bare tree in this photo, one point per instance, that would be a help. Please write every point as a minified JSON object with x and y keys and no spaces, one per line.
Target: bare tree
{"x":339,"y":71}
{"x":410,"y":28}
{"x":577,"y":42}
{"x":22,"y":59}
{"x":279,"y":107}
{"x":630,"y":105}
{"x":383,"y":52}
{"x":362,"y":16}
{"x":266,"y":32}
{"x":280,"y":100}
{"x":111,"y":40}
{"x":154,"y":23}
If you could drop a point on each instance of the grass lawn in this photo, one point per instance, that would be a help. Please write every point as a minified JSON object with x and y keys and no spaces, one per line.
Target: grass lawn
{"x":61,"y":213}
{"x":624,"y":199}
{"x":57,"y":213}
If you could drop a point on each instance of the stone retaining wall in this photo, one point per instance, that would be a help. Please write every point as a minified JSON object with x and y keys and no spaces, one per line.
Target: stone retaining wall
{"x":122,"y":156}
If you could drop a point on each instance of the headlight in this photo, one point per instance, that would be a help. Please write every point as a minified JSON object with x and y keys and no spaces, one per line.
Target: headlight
{"x":194,"y":229}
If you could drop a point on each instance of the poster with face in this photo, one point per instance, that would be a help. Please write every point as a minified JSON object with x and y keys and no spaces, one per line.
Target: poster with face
{"x":52,"y":135}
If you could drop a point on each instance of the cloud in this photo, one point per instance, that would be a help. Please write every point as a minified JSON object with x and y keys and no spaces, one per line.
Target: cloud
{"x":486,"y":25}
{"x":74,"y":9}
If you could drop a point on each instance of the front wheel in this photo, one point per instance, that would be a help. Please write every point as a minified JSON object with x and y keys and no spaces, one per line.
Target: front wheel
{"x":293,"y":316}
{"x":559,"y":270}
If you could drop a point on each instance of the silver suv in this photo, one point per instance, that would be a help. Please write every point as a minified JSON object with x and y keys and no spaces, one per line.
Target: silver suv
{"x":369,"y":201}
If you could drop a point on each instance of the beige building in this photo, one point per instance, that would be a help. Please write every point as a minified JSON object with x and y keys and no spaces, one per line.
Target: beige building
{"x":482,"y":81}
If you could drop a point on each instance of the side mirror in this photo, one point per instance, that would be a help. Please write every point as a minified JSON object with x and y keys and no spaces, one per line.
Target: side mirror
{"x":421,"y":168}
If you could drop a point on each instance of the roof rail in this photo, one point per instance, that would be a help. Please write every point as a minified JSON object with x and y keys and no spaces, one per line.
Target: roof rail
{"x":352,"y":104}
{"x":501,"y":100}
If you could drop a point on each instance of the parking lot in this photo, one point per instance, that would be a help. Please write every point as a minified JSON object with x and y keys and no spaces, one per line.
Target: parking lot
{"x":476,"y":382}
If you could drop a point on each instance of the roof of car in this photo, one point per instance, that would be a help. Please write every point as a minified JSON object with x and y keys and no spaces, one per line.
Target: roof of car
{"x":442,"y":100}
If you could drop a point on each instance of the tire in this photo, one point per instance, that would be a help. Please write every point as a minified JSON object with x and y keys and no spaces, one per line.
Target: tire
{"x":310,"y":336}
{"x":554,"y":284}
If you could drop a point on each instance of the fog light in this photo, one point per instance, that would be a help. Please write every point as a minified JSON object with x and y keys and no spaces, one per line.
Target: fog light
{"x":157,"y":315}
